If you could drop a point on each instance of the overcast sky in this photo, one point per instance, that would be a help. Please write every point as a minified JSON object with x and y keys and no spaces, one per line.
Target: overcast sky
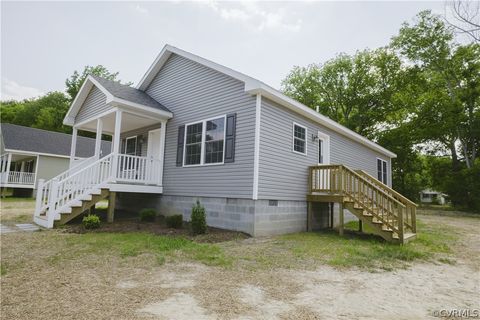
{"x":44,"y":42}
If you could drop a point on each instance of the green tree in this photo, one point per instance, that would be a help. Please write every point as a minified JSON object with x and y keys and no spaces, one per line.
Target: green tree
{"x":75,"y":81}
{"x":409,"y":169}
{"x":448,"y":109}
{"x":447,"y":112}
{"x":46,"y":112}
{"x":357,"y":91}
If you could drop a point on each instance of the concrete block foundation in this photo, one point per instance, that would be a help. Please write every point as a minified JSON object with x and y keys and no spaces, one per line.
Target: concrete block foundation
{"x":254,"y":217}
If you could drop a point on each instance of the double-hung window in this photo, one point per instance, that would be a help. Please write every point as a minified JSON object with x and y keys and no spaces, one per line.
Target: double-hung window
{"x":299,"y":139}
{"x":382,"y":170}
{"x":204,"y":142}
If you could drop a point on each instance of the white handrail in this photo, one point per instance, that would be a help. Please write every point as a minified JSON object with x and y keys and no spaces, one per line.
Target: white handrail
{"x":18,"y":177}
{"x":57,"y":194}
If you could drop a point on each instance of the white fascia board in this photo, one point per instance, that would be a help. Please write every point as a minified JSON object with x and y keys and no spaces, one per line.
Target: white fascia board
{"x":168,"y":50}
{"x":80,"y":98}
{"x":128,"y":105}
{"x":276,"y":96}
{"x":110,"y":100}
{"x":36,"y":153}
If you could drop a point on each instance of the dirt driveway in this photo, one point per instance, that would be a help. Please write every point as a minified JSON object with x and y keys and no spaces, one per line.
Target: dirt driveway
{"x":41,"y":286}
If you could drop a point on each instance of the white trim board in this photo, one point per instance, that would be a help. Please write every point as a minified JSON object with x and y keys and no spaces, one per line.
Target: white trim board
{"x":121,"y":187}
{"x":109,"y":100}
{"x":36,"y":153}
{"x":256,"y":153}
{"x":253,"y":87}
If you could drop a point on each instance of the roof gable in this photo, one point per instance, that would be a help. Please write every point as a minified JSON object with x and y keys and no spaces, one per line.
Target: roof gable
{"x":254,"y":86}
{"x":116,"y":95}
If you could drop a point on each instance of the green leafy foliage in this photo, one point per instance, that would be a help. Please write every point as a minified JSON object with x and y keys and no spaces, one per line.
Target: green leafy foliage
{"x":175,"y":221}
{"x":148,"y":214}
{"x":91,"y":221}
{"x":419,"y":97}
{"x":46,"y":112}
{"x":198,"y":219}
{"x":75,"y":81}
{"x":357,"y":91}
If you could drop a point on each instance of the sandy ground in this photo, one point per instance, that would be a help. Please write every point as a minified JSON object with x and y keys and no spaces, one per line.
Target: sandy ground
{"x":16,"y":211}
{"x":113,"y":289}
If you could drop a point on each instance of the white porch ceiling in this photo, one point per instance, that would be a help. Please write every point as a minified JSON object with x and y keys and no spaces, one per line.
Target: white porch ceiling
{"x":129,"y":122}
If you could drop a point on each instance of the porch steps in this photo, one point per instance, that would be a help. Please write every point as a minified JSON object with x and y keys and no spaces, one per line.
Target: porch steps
{"x":75,"y":208}
{"x":81,"y":206}
{"x":385,"y":211}
{"x":380,"y":228}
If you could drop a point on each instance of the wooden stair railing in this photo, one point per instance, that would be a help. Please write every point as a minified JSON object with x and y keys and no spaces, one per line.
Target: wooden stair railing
{"x":375,"y":201}
{"x":411,"y":207}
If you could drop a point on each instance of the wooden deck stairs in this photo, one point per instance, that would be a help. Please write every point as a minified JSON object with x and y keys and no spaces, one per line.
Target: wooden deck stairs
{"x":391,"y":215}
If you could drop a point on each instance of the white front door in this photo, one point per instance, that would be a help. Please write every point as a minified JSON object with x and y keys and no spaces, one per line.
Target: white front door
{"x":153,"y":149}
{"x":154,"y":168}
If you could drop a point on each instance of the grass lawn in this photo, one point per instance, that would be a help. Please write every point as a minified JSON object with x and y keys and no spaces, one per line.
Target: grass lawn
{"x":299,"y":250}
{"x":365,"y":251}
{"x":115,"y":272}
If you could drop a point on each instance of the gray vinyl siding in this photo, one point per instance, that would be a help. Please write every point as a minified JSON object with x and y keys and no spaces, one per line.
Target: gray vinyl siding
{"x":194,"y":92}
{"x":93,"y":105}
{"x":142,"y":147}
{"x":283,"y":173}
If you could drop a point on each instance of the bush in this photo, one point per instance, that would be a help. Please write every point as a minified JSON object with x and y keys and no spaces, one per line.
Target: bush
{"x":91,"y":221}
{"x":199,"y":222}
{"x":174,"y":221}
{"x":148,"y":215}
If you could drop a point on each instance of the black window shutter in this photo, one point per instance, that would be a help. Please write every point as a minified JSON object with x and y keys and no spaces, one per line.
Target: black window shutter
{"x":230,"y":138}
{"x":181,"y":133}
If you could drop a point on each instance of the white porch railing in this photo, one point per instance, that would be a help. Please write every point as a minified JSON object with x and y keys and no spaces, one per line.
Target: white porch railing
{"x":57,"y":194}
{"x":17,"y":177}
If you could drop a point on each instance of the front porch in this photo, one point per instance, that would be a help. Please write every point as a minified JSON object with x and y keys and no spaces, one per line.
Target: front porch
{"x":138,"y":144}
{"x":18,"y":170}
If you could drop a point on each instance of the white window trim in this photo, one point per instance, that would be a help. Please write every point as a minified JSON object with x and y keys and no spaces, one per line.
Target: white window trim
{"x":202,"y":150}
{"x":126,"y":143}
{"x":376,"y":164}
{"x":326,"y":147}
{"x":293,"y":139}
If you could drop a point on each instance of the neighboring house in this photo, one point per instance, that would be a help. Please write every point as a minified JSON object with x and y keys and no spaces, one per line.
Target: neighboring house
{"x":29,"y":154}
{"x":430,"y":196}
{"x":193,"y":129}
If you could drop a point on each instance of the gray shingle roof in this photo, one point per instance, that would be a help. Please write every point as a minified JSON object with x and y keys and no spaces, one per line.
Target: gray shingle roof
{"x":42,"y":141}
{"x":128,"y":93}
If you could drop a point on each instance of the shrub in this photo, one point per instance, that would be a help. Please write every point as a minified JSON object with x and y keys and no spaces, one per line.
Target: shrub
{"x":174,"y":221}
{"x":148,"y":214}
{"x":198,"y":223}
{"x":91,"y":221}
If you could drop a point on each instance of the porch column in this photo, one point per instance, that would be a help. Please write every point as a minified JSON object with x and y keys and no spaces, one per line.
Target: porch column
{"x":116,"y":142}
{"x":9,"y":162}
{"x":98,"y":138}
{"x":163,"y":131}
{"x":73,"y":147}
